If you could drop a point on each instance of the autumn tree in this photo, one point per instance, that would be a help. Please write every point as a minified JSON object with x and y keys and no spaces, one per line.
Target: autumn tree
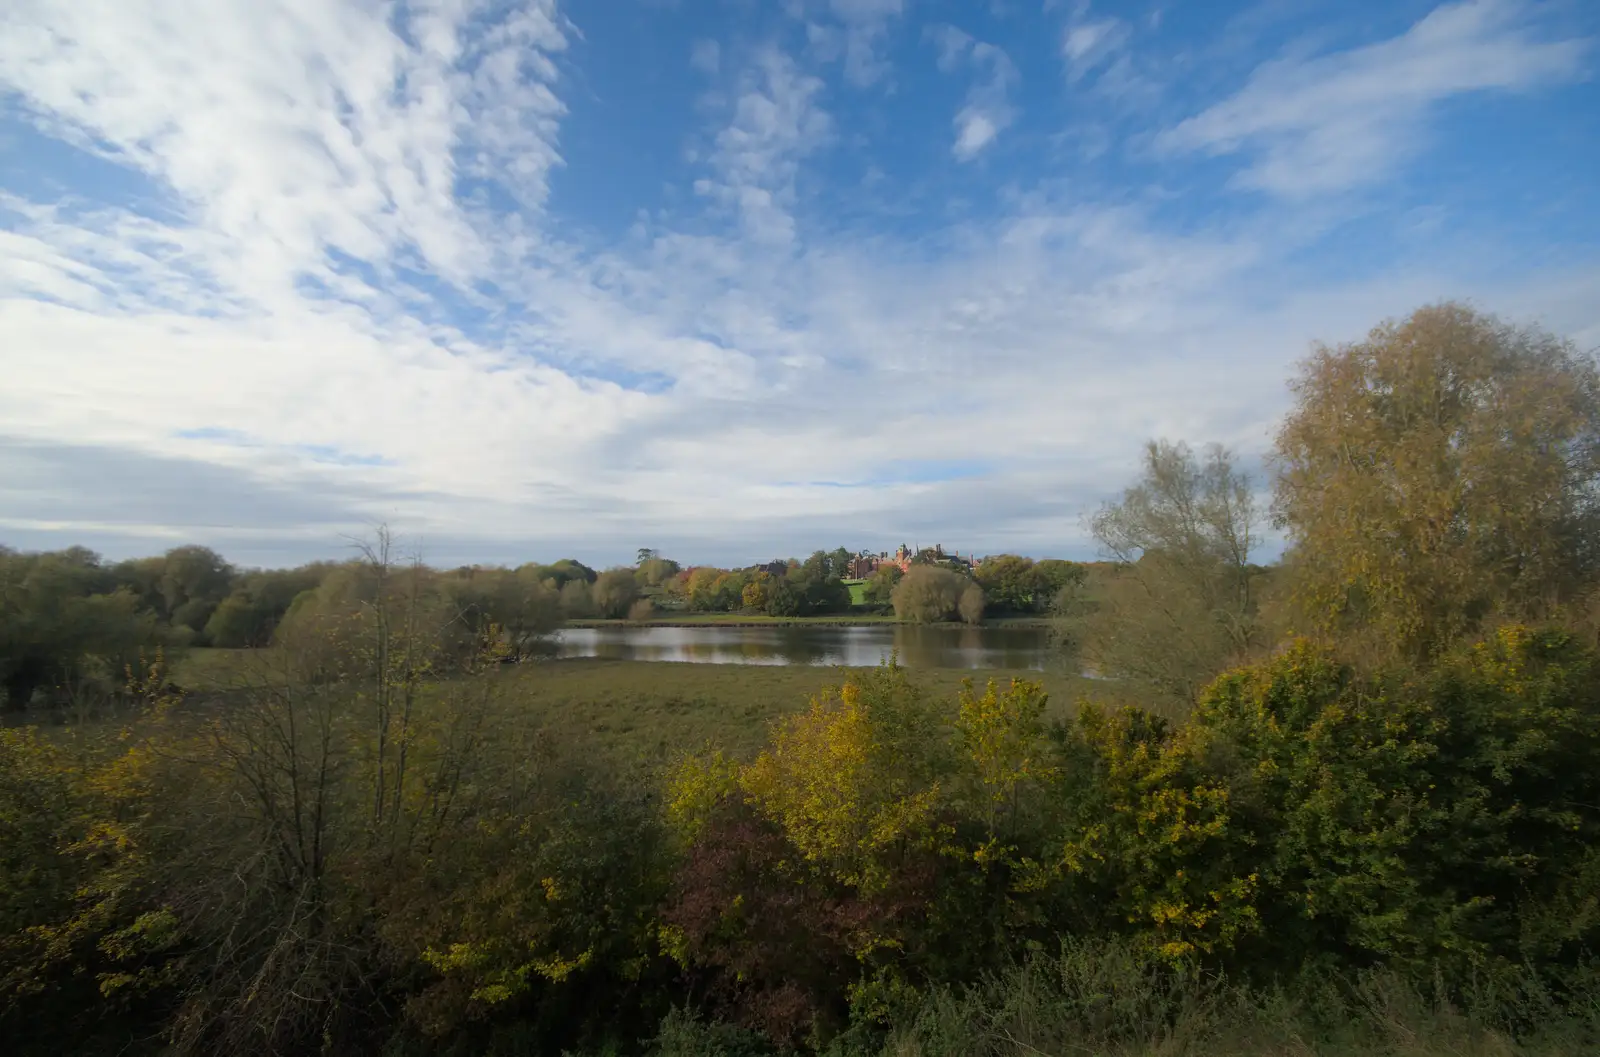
{"x":354,"y":811}
{"x":821,"y":593}
{"x":1057,"y":579}
{"x":614,"y":591}
{"x":728,"y":591}
{"x":576,"y":599}
{"x":564,"y":572}
{"x":509,"y":603}
{"x":754,"y":594}
{"x":879,"y":589}
{"x":194,"y":581}
{"x":783,"y":599}
{"x":259,"y":600}
{"x":808,"y":865}
{"x":65,"y":628}
{"x":1438,"y":474}
{"x":700,"y":589}
{"x":655,"y":570}
{"x":1182,"y":603}
{"x":1015,"y":584}
{"x":929,"y":594}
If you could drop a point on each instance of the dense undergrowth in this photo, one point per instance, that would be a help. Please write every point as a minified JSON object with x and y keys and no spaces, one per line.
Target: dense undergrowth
{"x":1316,"y":861}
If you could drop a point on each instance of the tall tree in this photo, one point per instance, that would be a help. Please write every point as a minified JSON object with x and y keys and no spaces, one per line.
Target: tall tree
{"x":1012,"y":583}
{"x":64,"y":631}
{"x":1442,"y":472}
{"x":839,"y":562}
{"x":880,"y":585}
{"x":194,"y":581}
{"x":929,"y":594}
{"x":614,"y":592}
{"x":655,"y":571}
{"x":1182,"y":604}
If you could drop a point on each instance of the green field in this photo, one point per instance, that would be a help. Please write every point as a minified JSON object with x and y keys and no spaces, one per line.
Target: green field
{"x":645,"y":711}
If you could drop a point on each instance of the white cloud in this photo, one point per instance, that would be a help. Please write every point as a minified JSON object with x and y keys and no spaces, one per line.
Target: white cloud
{"x":1097,"y":56}
{"x":1089,"y":43}
{"x":305,"y":127}
{"x":281,"y":347}
{"x":852,"y":31}
{"x":988,"y":109}
{"x":865,"y":23}
{"x":975,"y":130}
{"x":1083,"y":40}
{"x":775,"y":123}
{"x":1332,"y":122}
{"x":953,"y":44}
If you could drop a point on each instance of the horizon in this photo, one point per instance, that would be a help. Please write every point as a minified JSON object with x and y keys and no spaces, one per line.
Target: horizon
{"x":521,"y":278}
{"x":407,"y":548}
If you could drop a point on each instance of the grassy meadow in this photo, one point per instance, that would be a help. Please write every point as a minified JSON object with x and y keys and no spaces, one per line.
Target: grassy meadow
{"x":648,"y":711}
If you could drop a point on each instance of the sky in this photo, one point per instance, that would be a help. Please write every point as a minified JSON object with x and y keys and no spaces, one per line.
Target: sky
{"x":732,"y":279}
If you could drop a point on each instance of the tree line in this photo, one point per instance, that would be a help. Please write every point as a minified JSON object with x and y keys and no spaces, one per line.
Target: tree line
{"x":70,"y":622}
{"x":1347,"y":805}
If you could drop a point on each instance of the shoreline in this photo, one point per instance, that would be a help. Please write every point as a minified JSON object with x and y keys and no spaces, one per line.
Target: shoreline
{"x":814,"y":622}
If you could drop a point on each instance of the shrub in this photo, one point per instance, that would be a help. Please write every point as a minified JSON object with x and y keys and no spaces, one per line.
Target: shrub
{"x":1416,"y":820}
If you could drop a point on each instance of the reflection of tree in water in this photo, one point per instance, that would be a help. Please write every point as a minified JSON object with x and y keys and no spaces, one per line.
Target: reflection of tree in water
{"x":950,"y":646}
{"x":944,"y":646}
{"x":922,"y":647}
{"x":704,"y":651}
{"x":762,"y":649}
{"x":801,"y":645}
{"x":1020,"y":648}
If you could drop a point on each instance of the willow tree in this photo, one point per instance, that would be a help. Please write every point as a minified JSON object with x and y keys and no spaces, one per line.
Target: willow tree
{"x":1181,"y":602}
{"x":1437,"y":475}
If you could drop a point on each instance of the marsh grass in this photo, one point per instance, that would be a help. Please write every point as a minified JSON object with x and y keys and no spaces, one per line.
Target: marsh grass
{"x":1103,"y":999}
{"x":644,"y":711}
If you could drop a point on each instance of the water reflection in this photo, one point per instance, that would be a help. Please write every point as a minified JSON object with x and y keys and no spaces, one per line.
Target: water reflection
{"x":855,"y":646}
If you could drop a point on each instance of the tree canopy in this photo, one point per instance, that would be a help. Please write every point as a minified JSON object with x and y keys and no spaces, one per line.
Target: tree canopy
{"x":1442,"y":472}
{"x":1180,"y":604}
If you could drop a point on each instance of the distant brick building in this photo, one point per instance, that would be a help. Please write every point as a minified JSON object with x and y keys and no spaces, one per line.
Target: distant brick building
{"x":864,"y":564}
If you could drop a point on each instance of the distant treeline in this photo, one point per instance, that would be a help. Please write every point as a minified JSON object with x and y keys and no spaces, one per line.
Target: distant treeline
{"x":70,"y":623}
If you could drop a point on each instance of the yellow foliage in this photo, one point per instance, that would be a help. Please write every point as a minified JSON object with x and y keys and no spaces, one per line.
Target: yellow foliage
{"x":754,"y":595}
{"x":835,"y":786}
{"x":1004,"y":738}
{"x":1163,"y":827}
{"x":695,"y":788}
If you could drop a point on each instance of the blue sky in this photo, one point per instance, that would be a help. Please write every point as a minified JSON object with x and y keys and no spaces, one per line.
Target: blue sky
{"x":524,"y":278}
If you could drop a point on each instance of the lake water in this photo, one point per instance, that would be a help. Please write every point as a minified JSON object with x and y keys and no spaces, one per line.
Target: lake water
{"x":857,"y":646}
